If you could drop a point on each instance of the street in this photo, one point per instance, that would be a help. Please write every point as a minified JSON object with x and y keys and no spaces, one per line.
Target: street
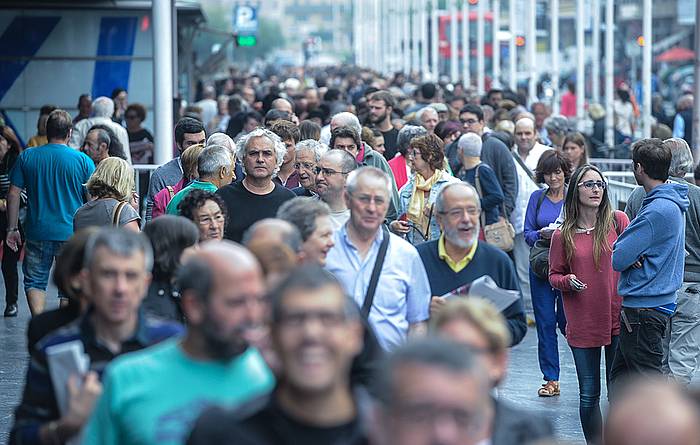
{"x":520,"y":388}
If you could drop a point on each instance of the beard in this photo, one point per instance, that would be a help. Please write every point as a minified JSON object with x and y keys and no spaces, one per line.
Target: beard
{"x":452,"y":235}
{"x":377,"y":120}
{"x":220,"y":346}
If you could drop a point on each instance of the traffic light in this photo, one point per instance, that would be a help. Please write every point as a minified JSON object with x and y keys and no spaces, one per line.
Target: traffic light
{"x":640,"y":40}
{"x":473,"y":2}
{"x":246,"y":41}
{"x":519,"y":41}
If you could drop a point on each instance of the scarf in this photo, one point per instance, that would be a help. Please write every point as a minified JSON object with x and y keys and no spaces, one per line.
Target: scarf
{"x":416,"y":206}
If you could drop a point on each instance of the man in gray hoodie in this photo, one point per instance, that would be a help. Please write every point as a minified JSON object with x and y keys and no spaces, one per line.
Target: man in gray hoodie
{"x":682,"y":340}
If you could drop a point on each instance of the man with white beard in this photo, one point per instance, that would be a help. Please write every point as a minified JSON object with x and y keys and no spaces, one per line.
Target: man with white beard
{"x":457,"y":258}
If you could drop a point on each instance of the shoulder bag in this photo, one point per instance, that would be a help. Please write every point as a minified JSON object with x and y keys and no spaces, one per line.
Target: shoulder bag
{"x":374,"y":279}
{"x":539,"y":253}
{"x":500,"y":234}
{"x":116,"y":213}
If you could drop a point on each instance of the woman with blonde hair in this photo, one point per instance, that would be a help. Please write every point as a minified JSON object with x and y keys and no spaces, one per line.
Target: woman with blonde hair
{"x":111,"y":188}
{"x":188,"y":159}
{"x":580,"y":265}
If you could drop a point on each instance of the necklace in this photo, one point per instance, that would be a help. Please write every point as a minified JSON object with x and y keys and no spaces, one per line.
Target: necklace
{"x":586,"y":230}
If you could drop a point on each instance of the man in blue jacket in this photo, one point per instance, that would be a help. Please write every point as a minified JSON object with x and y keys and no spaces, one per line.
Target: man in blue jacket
{"x":649,"y":256}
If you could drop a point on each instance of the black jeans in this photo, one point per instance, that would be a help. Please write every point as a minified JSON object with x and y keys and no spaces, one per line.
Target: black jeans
{"x":9,"y":265}
{"x":640,"y":349}
{"x":587,"y":362}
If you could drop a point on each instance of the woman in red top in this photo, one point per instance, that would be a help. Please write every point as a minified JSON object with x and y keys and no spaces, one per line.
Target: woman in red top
{"x":580,"y":265}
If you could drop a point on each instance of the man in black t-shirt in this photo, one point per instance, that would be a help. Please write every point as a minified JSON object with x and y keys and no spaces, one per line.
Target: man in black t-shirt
{"x":381,"y":105}
{"x":255,"y":197}
{"x":316,"y":331}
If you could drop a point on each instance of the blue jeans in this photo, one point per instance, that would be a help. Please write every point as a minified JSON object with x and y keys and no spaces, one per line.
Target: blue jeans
{"x":38,"y":258}
{"x":587,"y":362}
{"x":549,"y":313}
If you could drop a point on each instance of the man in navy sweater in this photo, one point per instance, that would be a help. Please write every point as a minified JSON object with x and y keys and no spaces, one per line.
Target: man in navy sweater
{"x":457,"y":258}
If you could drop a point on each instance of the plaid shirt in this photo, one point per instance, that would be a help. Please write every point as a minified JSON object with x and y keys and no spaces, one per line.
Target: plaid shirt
{"x":39,"y":404}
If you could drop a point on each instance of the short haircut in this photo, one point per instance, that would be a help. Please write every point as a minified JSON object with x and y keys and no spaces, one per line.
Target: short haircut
{"x":433,"y":352}
{"x":224,"y":140}
{"x":406,"y":134}
{"x":440,"y":199}
{"x":189,"y":159}
{"x":681,"y":157}
{"x":58,"y":125}
{"x":137,"y":108}
{"x":309,"y":277}
{"x":345,"y":132}
{"x":551,"y":161}
{"x":102,"y":136}
{"x":275,"y":115}
{"x":309,"y":129}
{"x":113,"y":178}
{"x":479,"y":313}
{"x":422,"y":111}
{"x":373,"y":172}
{"x":428,"y":90}
{"x":302,"y":213}
{"x":169,"y":235}
{"x":195,"y":199}
{"x":119,"y":241}
{"x":346,"y":119}
{"x":277,"y":145}
{"x":431,"y":149}
{"x":187,"y":125}
{"x":69,"y":261}
{"x":347,"y":161}
{"x":290,"y":235}
{"x":47,"y":109}
{"x":194,"y":275}
{"x":115,"y":148}
{"x":211,"y":159}
{"x":385,"y":97}
{"x":473,"y":109}
{"x":318,"y":148}
{"x":654,"y":156}
{"x":103,"y":107}
{"x":286,"y":130}
{"x":557,"y":124}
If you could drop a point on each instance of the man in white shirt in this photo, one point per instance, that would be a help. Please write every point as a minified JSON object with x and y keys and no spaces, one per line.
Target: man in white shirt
{"x":526,"y":145}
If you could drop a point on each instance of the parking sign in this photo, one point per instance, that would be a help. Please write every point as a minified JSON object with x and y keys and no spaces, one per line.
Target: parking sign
{"x":245,"y":19}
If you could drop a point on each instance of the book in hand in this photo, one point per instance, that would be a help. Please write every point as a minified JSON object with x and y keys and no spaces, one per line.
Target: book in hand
{"x":487,"y":289}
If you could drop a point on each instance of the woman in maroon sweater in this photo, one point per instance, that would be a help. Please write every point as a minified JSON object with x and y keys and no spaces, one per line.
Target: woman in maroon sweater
{"x":580,"y":265}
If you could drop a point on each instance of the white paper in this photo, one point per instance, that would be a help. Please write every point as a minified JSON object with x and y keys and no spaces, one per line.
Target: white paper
{"x":486,"y":288}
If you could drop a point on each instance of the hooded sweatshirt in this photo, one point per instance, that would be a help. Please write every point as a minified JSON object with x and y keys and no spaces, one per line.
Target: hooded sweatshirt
{"x":658,"y":235}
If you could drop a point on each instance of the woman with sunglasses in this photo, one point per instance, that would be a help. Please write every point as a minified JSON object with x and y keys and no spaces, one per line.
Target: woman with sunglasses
{"x":417,"y":197}
{"x":580,"y":265}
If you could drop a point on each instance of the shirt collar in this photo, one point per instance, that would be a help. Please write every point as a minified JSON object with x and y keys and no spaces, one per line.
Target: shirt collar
{"x":456,"y":266}
{"x":378,"y":237}
{"x":87,"y":329}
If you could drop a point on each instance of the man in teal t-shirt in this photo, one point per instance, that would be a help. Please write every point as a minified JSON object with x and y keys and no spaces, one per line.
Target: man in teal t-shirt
{"x":155,"y":395}
{"x":216,"y":168}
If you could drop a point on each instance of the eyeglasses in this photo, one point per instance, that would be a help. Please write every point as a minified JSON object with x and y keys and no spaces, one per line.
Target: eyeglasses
{"x":457,"y":213}
{"x":304,"y":165}
{"x":328,"y":171}
{"x":591,"y":184}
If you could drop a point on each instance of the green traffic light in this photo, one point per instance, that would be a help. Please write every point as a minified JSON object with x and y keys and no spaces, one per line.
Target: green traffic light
{"x":247,"y":40}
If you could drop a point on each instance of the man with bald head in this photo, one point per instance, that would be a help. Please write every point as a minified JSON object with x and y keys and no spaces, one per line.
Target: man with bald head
{"x":283,"y":104}
{"x":655,"y":413}
{"x":526,"y":145}
{"x":154,"y":396}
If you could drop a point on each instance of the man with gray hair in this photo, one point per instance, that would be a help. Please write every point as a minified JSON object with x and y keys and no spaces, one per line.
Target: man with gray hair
{"x":116,"y":272}
{"x":381,"y":271}
{"x":308,"y":153}
{"x":398,"y":164}
{"x":225,"y":140}
{"x":215,"y":169}
{"x":682,"y":340}
{"x":102,"y":111}
{"x":434,"y":391}
{"x":255,"y":197}
{"x":312,"y":218}
{"x":428,"y":118}
{"x":96,"y":145}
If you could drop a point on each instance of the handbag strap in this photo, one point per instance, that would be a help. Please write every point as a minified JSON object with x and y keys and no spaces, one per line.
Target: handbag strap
{"x":116,"y":213}
{"x":479,"y":191}
{"x":378,"y":263}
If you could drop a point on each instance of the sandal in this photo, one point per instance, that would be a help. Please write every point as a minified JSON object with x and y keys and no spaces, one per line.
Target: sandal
{"x":549,"y":389}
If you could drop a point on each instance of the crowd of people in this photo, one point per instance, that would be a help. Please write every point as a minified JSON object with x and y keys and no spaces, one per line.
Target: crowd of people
{"x":300,"y":271}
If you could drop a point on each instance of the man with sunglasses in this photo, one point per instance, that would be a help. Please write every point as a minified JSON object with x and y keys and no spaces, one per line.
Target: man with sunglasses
{"x":650,"y":256}
{"x":331,"y":173}
{"x":381,"y":271}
